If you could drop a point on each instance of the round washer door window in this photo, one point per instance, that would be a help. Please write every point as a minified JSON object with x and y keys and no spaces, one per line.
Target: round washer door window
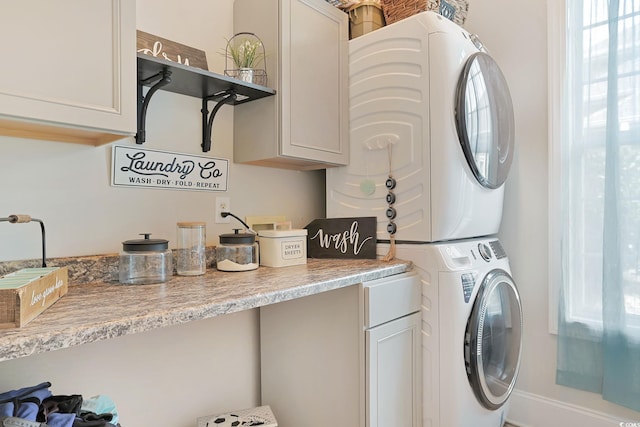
{"x":484,"y":120}
{"x":493,"y":340}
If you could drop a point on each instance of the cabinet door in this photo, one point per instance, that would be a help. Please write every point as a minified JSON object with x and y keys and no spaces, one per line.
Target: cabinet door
{"x":69,"y":63}
{"x":305,"y":125}
{"x":394,"y":369}
{"x":314,"y":76}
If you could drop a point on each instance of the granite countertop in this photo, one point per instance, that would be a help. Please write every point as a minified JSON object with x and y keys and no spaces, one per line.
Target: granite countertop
{"x":100,"y":310}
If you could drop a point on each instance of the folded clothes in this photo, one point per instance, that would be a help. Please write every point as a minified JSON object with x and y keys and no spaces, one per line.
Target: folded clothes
{"x":24,"y":402}
{"x":101,"y":404}
{"x":36,"y":406}
{"x":64,"y":404}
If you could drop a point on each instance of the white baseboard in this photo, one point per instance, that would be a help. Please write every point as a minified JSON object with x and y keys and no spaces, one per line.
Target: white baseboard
{"x":532,"y":410}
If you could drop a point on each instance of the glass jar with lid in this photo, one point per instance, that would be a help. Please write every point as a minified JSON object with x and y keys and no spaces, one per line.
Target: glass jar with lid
{"x":144,"y":261}
{"x":237,"y":252}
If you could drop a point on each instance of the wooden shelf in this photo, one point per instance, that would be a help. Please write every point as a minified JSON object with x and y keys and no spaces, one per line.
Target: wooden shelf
{"x":160,"y":74}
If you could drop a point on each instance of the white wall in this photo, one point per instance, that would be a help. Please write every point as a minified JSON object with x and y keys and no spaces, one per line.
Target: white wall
{"x":515,"y":32}
{"x":169,"y":376}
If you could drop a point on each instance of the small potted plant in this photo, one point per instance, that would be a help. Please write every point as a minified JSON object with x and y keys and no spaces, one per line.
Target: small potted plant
{"x":246,"y":51}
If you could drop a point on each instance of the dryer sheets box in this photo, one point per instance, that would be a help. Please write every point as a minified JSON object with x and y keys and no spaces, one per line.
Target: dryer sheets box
{"x":282,"y":248}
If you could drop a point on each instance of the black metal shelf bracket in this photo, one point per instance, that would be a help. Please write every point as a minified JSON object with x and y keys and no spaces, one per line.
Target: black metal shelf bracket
{"x":227,"y":97}
{"x":163,"y":78}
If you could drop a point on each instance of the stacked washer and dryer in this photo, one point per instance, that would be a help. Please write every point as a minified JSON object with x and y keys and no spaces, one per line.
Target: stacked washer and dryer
{"x":431,"y":144}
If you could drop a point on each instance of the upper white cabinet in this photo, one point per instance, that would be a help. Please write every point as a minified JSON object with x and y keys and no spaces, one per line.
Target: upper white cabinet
{"x":305,"y":126}
{"x":68,"y":70}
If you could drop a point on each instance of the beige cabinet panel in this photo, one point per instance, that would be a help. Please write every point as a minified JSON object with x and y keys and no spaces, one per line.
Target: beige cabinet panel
{"x":312,"y":360}
{"x":305,"y":126}
{"x":70,"y":69}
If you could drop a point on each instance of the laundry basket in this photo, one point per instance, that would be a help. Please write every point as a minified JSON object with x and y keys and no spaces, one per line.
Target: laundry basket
{"x":395,"y":10}
{"x":364,"y":17}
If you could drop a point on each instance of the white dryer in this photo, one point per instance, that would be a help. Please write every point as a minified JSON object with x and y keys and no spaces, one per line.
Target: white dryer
{"x":431,"y":133}
{"x":471,"y":331}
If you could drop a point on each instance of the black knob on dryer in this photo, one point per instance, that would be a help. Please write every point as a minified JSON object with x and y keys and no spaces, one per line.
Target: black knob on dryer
{"x":391,"y":198}
{"x":391,"y":228}
{"x":391,"y":213}
{"x":390,"y":183}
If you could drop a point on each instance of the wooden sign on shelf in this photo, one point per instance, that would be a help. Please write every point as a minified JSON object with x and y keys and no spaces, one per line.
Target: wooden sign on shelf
{"x":171,"y":51}
{"x":342,"y":238}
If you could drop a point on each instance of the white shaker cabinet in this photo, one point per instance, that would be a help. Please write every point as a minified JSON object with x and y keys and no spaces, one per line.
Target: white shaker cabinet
{"x":305,"y":126}
{"x":349,"y":357}
{"x":393,"y":347}
{"x":68,"y":70}
{"x":393,"y":364}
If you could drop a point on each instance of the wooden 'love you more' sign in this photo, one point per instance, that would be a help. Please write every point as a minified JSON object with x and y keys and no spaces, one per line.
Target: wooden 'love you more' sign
{"x":342,"y":238}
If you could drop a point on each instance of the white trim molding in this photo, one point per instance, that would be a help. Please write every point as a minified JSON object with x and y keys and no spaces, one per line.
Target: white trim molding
{"x":532,"y":410}
{"x":556,"y":42}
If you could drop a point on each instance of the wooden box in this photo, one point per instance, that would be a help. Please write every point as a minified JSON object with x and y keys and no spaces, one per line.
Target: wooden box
{"x":26,"y":293}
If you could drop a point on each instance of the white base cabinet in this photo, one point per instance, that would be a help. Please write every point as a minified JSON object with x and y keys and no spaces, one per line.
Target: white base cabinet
{"x":305,"y":125}
{"x":393,"y":369}
{"x":69,"y":72}
{"x":350,"y":357}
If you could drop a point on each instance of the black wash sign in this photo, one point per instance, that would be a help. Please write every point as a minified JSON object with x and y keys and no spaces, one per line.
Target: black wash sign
{"x":342,"y":238}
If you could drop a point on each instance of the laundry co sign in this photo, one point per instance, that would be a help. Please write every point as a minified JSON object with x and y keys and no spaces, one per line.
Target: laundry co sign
{"x":138,"y":167}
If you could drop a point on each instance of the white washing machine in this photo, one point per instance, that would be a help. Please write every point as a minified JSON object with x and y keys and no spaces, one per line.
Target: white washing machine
{"x":471,"y":331}
{"x":431,"y":133}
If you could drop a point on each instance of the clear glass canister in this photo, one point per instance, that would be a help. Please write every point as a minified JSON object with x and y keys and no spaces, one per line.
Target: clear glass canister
{"x":144,"y":261}
{"x":191,"y":257}
{"x":237,"y":252}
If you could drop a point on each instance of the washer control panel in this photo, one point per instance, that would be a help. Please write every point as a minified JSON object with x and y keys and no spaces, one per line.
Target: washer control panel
{"x":472,"y":253}
{"x":497,"y":249}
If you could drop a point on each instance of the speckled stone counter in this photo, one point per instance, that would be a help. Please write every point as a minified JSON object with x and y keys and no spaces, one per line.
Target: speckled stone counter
{"x":100,"y":310}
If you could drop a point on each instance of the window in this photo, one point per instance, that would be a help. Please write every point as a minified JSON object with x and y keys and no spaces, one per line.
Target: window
{"x":578,"y":146}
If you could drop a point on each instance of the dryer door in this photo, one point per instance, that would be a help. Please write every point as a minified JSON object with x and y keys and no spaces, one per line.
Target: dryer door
{"x":484,"y":120}
{"x":493,"y":339}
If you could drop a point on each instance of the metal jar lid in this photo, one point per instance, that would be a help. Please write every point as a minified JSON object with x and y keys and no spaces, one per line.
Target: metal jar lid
{"x":146,"y":244}
{"x":237,"y":238}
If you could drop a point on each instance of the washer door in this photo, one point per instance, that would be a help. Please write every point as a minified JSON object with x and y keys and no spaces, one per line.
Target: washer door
{"x":484,"y":120}
{"x":493,"y":339}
